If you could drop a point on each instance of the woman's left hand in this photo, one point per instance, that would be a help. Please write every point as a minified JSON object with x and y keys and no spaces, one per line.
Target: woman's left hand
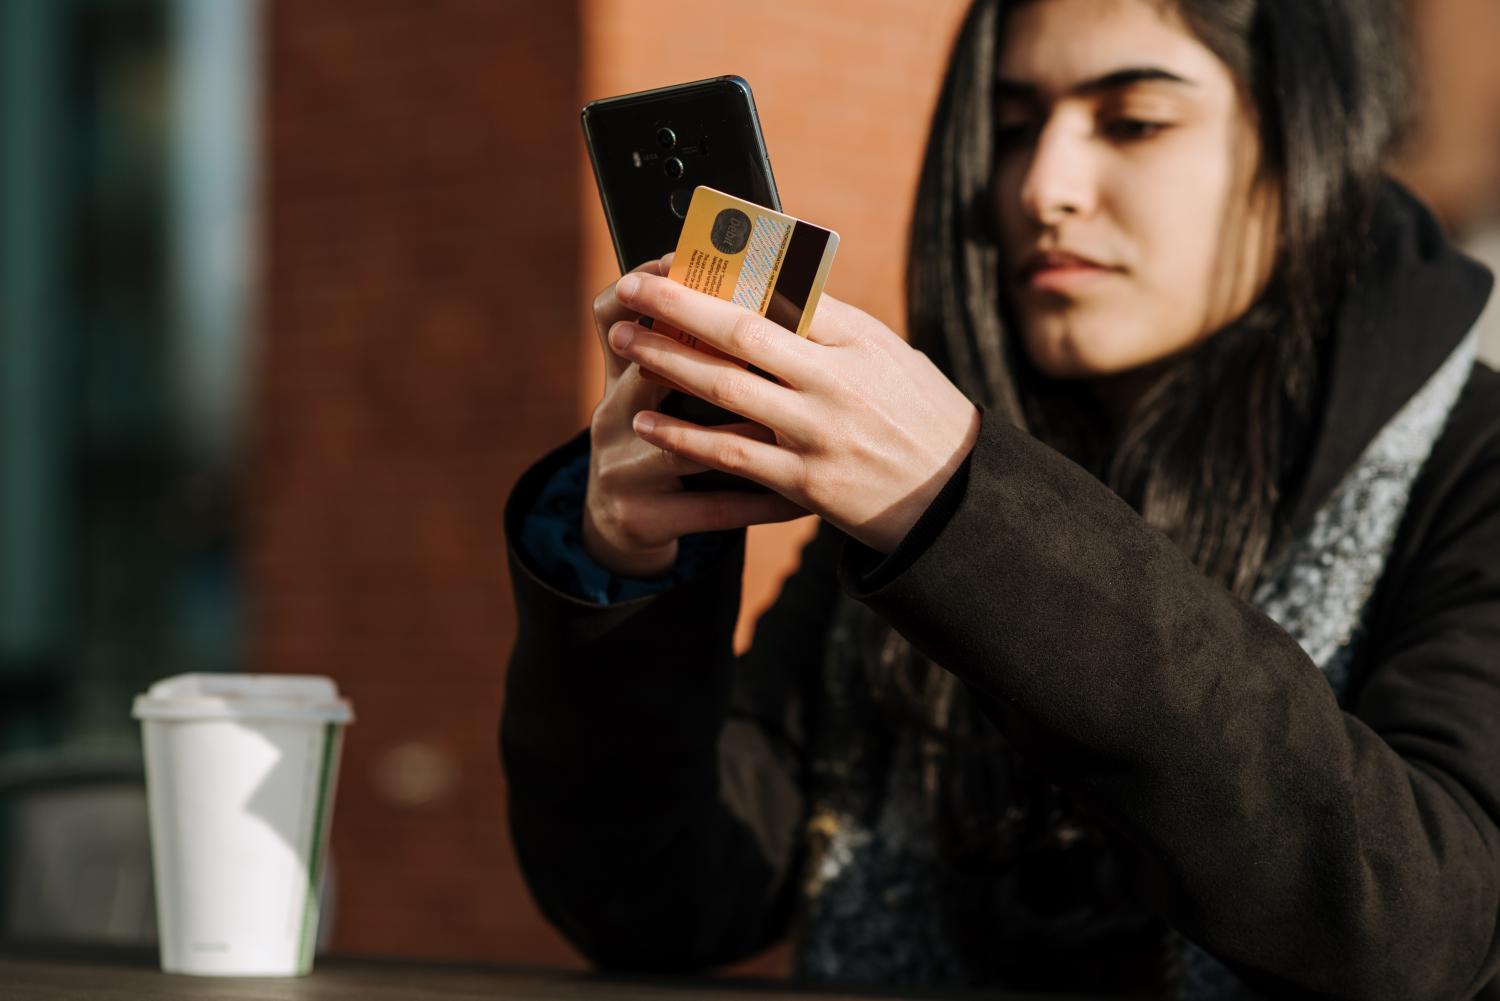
{"x":867,"y":429}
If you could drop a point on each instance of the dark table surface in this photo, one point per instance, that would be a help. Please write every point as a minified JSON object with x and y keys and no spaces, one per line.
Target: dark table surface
{"x":102,"y":973}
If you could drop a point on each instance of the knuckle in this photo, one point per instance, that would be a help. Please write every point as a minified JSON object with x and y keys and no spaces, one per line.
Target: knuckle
{"x":604,"y":423}
{"x":729,"y":389}
{"x":666,"y":295}
{"x":604,"y":429}
{"x":630,"y":523}
{"x":673,"y":462}
{"x":605,"y":505}
{"x":661,"y":457}
{"x":733,"y":454}
{"x":607,"y":479}
{"x":748,"y":336}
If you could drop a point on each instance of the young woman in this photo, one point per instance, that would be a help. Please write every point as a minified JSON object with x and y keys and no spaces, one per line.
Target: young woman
{"x":1150,"y":642}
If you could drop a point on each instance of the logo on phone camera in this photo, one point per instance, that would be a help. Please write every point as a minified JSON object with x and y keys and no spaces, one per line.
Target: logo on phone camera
{"x":731,"y":231}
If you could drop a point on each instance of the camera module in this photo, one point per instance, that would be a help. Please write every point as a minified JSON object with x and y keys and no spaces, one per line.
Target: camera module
{"x":673,"y":167}
{"x":666,"y":138}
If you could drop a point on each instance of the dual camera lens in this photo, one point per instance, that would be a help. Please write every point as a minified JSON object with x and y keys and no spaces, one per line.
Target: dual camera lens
{"x":667,"y":139}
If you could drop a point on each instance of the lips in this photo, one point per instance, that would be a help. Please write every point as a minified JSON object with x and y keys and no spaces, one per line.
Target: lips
{"x":1062,"y":271}
{"x":1056,"y":260}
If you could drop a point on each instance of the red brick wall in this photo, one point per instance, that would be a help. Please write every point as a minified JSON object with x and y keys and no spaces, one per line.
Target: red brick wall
{"x":419,"y":295}
{"x":432,"y":241}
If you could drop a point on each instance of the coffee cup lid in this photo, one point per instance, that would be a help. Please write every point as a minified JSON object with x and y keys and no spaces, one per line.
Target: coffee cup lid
{"x":306,"y":697}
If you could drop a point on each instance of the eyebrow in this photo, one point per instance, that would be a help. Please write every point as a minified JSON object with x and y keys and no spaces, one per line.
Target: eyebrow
{"x":1115,"y":80}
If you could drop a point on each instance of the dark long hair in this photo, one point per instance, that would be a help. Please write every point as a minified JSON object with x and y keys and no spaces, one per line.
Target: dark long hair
{"x":1214,"y":453}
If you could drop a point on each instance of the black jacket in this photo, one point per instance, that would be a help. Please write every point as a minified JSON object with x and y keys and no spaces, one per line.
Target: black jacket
{"x":656,"y":802}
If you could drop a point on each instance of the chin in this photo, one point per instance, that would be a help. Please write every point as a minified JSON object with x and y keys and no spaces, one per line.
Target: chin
{"x":1064,"y":352}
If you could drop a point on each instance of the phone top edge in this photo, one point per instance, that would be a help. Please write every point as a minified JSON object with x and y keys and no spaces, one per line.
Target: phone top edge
{"x":739,"y":83}
{"x":599,"y":106}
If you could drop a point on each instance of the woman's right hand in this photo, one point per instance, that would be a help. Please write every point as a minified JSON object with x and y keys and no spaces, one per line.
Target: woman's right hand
{"x":636,"y":508}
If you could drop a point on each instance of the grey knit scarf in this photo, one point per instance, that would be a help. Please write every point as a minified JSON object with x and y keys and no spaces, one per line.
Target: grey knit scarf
{"x":877,"y":895}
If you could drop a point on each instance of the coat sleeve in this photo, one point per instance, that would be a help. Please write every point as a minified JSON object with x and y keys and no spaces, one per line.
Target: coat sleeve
{"x":654,"y":779}
{"x":1318,"y":852}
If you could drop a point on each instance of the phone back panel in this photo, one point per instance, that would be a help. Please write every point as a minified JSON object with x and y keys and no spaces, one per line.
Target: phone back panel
{"x":651,"y":149}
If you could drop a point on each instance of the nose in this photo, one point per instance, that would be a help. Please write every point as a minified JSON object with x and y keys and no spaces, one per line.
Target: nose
{"x":1060,"y":181}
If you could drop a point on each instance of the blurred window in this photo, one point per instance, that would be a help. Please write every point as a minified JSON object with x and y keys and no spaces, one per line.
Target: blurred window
{"x":126,"y":158}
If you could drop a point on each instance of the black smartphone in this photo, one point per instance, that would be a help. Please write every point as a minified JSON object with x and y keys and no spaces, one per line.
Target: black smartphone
{"x":649,"y":151}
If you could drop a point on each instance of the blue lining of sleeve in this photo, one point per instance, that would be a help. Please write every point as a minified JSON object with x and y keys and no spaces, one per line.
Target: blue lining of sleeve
{"x":552,"y":537}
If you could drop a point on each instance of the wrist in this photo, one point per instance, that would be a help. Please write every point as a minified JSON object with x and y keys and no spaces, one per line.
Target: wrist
{"x":903,"y":517}
{"x":625,"y":561}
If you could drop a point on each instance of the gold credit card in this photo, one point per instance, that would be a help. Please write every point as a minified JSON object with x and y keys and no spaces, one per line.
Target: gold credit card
{"x":749,"y":255}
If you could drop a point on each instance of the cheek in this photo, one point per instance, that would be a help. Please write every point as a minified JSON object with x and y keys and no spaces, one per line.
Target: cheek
{"x":1174,"y":222}
{"x":1165,"y":215}
{"x":1154,"y":310}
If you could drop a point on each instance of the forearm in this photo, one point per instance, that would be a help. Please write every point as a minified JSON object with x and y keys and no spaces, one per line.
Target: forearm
{"x":1279,"y":832}
{"x":614,"y":731}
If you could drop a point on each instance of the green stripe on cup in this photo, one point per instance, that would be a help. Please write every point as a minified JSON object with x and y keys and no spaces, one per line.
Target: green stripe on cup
{"x":315,"y":854}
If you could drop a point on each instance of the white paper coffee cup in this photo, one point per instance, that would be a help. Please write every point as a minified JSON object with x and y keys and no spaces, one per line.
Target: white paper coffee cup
{"x":240,"y":777}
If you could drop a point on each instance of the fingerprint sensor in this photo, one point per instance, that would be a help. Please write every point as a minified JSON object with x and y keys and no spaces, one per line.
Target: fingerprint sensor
{"x":680,"y":200}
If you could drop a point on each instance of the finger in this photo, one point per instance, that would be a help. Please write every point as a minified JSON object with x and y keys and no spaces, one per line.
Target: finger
{"x":608,"y":311}
{"x":689,"y":513}
{"x":637,"y":391}
{"x":764,"y":462}
{"x":717,"y":380}
{"x":732,"y":329}
{"x":750,"y":429}
{"x":652,"y":463}
{"x":662,"y":381}
{"x":627,"y":396}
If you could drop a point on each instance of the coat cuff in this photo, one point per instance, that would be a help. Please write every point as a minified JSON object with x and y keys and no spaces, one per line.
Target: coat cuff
{"x":542,"y":527}
{"x":864,"y":571}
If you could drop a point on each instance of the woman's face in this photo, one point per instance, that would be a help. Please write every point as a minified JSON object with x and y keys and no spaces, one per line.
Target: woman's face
{"x":1132,"y":223}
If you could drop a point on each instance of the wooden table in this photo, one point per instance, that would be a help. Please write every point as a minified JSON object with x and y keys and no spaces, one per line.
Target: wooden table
{"x":121,"y":974}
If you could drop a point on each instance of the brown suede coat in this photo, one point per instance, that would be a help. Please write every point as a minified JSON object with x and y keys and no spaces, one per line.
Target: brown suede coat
{"x":655,"y":795}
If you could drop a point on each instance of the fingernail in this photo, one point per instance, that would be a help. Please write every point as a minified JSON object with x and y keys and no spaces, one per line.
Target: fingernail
{"x":621,"y":335}
{"x":644,"y":423}
{"x":627,"y":286}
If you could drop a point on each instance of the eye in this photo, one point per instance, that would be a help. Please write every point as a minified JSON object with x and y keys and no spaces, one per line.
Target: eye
{"x":1014,"y":135}
{"x":1131,"y":129}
